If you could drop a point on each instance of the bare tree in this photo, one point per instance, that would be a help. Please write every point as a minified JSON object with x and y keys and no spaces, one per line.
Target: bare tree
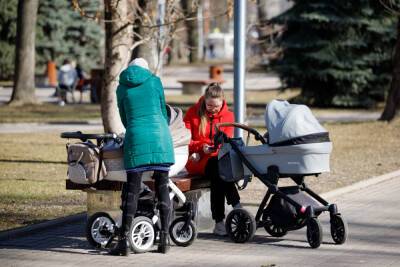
{"x":137,"y":26}
{"x":24,"y":74}
{"x":190,"y":10}
{"x":118,"y":43}
{"x":155,"y":26}
{"x":393,"y":98}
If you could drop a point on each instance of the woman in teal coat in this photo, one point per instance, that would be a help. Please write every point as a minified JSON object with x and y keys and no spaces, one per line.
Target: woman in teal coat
{"x":147,"y":146}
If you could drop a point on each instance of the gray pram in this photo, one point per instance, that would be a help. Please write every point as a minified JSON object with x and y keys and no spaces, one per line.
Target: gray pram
{"x":295,"y":146}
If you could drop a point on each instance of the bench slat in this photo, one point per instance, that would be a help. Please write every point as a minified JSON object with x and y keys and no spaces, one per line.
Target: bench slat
{"x":183,"y":183}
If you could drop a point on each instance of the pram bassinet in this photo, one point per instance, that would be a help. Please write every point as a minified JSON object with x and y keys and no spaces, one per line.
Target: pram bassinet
{"x":111,"y":153}
{"x":296,"y":142}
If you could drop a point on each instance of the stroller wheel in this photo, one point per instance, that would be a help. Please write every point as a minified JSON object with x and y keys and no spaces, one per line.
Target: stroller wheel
{"x":141,"y":235}
{"x":314,"y":232}
{"x":182,"y":237}
{"x":339,"y":229}
{"x":100,"y":230}
{"x":271,"y":228}
{"x":240,"y":225}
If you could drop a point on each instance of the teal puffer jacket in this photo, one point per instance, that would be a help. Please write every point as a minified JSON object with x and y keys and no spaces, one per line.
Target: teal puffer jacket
{"x":141,"y":104}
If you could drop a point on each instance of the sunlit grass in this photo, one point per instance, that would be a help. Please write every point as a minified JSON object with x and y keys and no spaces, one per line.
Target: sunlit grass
{"x":32,"y":180}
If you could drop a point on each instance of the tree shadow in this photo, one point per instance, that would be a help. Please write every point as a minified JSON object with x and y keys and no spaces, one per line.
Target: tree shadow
{"x":32,"y":161}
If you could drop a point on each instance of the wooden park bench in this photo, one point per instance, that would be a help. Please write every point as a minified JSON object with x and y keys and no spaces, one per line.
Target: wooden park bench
{"x":195,"y":86}
{"x":184,"y":183}
{"x":105,"y":196}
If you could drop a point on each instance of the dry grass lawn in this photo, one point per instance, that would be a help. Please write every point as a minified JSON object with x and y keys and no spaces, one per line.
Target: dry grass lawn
{"x":49,"y":113}
{"x":32,"y":180}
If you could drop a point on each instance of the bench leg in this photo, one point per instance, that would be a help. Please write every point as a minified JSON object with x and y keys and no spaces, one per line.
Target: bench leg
{"x":104,"y":201}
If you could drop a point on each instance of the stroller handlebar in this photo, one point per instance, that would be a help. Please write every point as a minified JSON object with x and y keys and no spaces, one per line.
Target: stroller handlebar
{"x":256,"y":134}
{"x":84,"y":137}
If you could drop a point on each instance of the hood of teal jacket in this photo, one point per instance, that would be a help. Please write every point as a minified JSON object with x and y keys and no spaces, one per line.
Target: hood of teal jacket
{"x":134,"y":76}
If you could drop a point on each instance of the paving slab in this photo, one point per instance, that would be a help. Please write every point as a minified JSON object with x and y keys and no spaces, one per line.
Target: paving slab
{"x":374,"y":240}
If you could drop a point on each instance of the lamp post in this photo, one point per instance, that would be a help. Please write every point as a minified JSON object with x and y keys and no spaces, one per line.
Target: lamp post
{"x":239,"y":62}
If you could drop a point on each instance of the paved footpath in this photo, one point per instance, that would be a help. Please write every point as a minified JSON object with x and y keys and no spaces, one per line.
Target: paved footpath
{"x":374,"y":240}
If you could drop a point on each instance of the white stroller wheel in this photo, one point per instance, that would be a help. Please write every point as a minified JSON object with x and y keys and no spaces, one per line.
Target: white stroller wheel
{"x":141,"y":235}
{"x":100,"y":229}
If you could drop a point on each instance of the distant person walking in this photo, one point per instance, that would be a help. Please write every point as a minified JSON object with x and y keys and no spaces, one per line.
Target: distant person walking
{"x":67,"y":79}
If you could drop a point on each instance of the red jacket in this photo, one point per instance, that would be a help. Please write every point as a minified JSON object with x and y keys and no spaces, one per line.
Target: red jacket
{"x":192,"y":122}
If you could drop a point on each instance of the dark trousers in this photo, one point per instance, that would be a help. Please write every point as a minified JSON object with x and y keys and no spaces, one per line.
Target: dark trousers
{"x":219,"y":191}
{"x":130,"y":197}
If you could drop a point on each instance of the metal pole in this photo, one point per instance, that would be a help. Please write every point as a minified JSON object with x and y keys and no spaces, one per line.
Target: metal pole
{"x":239,"y":62}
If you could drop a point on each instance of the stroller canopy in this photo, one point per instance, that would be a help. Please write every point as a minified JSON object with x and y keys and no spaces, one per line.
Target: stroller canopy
{"x":180,"y":134}
{"x":290,"y":124}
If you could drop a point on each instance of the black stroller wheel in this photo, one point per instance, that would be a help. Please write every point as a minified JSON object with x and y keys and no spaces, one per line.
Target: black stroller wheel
{"x":339,"y":229}
{"x":314,"y":232}
{"x":240,"y":225}
{"x":271,"y":228}
{"x":182,"y":237}
{"x":100,"y":230}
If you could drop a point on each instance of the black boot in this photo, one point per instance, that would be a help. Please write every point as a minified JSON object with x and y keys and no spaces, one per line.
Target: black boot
{"x":164,"y":245}
{"x":121,"y":249}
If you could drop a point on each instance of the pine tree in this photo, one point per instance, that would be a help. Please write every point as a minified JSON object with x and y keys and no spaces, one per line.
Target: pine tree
{"x":8,"y":32}
{"x":63,"y":33}
{"x":337,"y":52}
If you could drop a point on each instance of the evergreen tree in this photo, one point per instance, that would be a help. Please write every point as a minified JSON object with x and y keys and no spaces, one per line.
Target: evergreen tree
{"x":8,"y":32}
{"x":64,"y":33}
{"x":337,"y":52}
{"x":61,"y":33}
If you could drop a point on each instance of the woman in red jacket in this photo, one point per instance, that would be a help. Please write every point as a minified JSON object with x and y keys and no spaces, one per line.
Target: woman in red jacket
{"x":201,"y":119}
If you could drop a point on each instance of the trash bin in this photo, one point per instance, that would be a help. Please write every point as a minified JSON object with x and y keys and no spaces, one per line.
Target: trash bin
{"x":216,"y":72}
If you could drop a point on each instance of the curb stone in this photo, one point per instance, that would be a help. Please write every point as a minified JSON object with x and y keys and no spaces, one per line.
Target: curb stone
{"x":362,"y":184}
{"x":28,"y":230}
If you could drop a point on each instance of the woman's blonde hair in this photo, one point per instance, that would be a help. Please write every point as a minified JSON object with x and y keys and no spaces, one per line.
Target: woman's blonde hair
{"x":213,"y":90}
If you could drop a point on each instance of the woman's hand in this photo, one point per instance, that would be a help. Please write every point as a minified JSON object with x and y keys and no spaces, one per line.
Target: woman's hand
{"x":207,"y":149}
{"x":195,"y":157}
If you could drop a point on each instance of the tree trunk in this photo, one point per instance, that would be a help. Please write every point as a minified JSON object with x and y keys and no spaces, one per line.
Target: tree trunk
{"x":393,"y":99}
{"x":262,"y":18}
{"x":117,"y":44}
{"x":24,"y":74}
{"x":190,"y":11}
{"x":149,"y":50}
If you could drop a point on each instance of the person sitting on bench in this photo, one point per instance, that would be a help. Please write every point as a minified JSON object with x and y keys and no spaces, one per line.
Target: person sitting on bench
{"x":201,"y":119}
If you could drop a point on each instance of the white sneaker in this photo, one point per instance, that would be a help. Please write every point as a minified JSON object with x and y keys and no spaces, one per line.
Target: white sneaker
{"x":61,"y":103}
{"x":237,"y":206}
{"x":219,"y":229}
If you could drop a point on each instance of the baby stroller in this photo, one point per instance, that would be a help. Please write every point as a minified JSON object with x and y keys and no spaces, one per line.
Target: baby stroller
{"x":295,"y":146}
{"x":90,"y":163}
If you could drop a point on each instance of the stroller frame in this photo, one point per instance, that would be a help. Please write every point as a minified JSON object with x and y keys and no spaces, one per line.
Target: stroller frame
{"x":310,"y":212}
{"x":101,"y":229}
